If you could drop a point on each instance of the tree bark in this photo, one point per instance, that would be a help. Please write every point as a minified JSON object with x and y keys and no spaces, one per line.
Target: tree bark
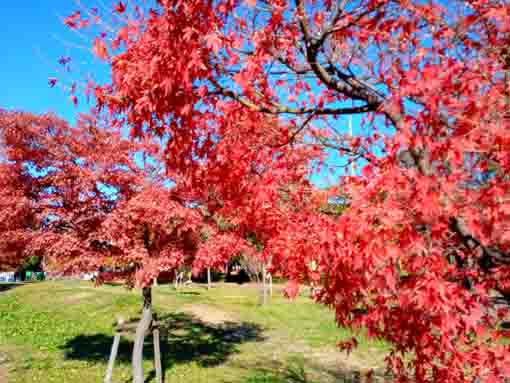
{"x":141,"y":330}
{"x":208,"y":278}
{"x":264,"y":286}
{"x":270,"y":276}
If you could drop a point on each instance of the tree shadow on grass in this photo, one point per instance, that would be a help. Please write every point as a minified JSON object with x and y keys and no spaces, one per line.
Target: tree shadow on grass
{"x":193,"y":293}
{"x":5,"y":286}
{"x":184,"y":338}
{"x":302,"y":370}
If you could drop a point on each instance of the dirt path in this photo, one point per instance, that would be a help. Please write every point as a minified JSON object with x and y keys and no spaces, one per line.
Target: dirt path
{"x":3,"y":375}
{"x":208,"y":314}
{"x":328,"y":363}
{"x":3,"y":368}
{"x":77,"y":298}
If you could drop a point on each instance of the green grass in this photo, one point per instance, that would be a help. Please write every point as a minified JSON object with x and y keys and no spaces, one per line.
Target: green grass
{"x":62,"y":331}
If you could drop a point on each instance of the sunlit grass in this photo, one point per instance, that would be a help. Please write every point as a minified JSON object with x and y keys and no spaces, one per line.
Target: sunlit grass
{"x":62,"y":331}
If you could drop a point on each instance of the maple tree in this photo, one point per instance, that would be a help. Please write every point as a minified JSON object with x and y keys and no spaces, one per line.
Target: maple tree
{"x":157,"y":233}
{"x":16,"y":219}
{"x":78,"y":196}
{"x":71,"y":177}
{"x":420,"y":255}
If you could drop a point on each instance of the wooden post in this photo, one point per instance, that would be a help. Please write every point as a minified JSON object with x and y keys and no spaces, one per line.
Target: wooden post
{"x":113,"y":356}
{"x":147,"y":323}
{"x":157,"y":352}
{"x":179,"y":280}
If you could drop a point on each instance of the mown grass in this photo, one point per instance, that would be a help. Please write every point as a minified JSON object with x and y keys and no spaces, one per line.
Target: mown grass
{"x":62,"y":332}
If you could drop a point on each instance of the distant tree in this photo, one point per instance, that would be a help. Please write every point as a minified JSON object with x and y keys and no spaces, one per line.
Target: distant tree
{"x":78,"y":196}
{"x":17,"y":218}
{"x":151,"y":233}
{"x":32,"y":263}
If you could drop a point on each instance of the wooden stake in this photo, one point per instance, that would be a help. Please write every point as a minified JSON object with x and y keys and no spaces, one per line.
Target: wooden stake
{"x":157,"y":353}
{"x":151,"y":324}
{"x":113,"y":356}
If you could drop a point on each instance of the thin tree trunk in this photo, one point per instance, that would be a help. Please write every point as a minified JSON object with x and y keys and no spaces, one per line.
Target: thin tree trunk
{"x":141,"y":330}
{"x":208,"y":278}
{"x":264,"y":286}
{"x":269,"y":276}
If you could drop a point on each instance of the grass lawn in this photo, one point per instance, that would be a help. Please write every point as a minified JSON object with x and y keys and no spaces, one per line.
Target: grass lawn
{"x":62,"y":332}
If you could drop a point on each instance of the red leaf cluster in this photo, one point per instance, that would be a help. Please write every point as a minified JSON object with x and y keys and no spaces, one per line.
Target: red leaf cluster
{"x":78,"y":196}
{"x":246,"y":109}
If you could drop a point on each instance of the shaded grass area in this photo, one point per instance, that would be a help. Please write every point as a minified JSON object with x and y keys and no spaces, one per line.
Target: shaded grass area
{"x":184,"y":339}
{"x":4,"y":286}
{"x":62,"y":331}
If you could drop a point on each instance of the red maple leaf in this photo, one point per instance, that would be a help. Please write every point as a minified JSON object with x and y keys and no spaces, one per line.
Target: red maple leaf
{"x":120,"y":7}
{"x":99,"y":49}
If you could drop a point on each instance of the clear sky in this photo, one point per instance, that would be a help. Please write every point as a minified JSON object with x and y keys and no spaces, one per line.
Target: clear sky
{"x":33,"y":38}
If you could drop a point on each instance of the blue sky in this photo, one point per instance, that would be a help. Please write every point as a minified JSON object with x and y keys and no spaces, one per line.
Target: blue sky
{"x":33,"y":38}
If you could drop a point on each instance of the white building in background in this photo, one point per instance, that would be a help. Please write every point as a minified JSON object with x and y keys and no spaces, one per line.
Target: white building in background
{"x":7,"y":276}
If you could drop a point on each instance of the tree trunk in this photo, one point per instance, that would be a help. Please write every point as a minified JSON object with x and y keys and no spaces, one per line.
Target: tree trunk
{"x":264,"y":276}
{"x":269,"y":276}
{"x":264,"y":286}
{"x":208,"y":278}
{"x":178,"y":280}
{"x":270,"y":285}
{"x":141,"y":330}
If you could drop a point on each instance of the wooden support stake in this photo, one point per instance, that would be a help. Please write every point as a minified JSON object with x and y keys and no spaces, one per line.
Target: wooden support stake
{"x":157,"y":354}
{"x":113,"y":356}
{"x":123,"y":328}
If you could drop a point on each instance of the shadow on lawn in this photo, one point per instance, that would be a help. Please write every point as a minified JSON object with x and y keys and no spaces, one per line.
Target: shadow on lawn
{"x":193,"y":293}
{"x":302,"y":370}
{"x":184,"y":338}
{"x":5,"y":286}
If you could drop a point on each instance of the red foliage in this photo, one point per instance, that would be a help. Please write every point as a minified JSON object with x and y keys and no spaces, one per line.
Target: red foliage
{"x":218,"y":249}
{"x":77,"y":196}
{"x":423,"y":243}
{"x":16,"y":218}
{"x":154,"y":231}
{"x":120,"y":7}
{"x":99,"y":48}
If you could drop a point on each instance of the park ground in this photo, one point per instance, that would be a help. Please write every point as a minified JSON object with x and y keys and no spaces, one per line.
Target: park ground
{"x":62,"y":332}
